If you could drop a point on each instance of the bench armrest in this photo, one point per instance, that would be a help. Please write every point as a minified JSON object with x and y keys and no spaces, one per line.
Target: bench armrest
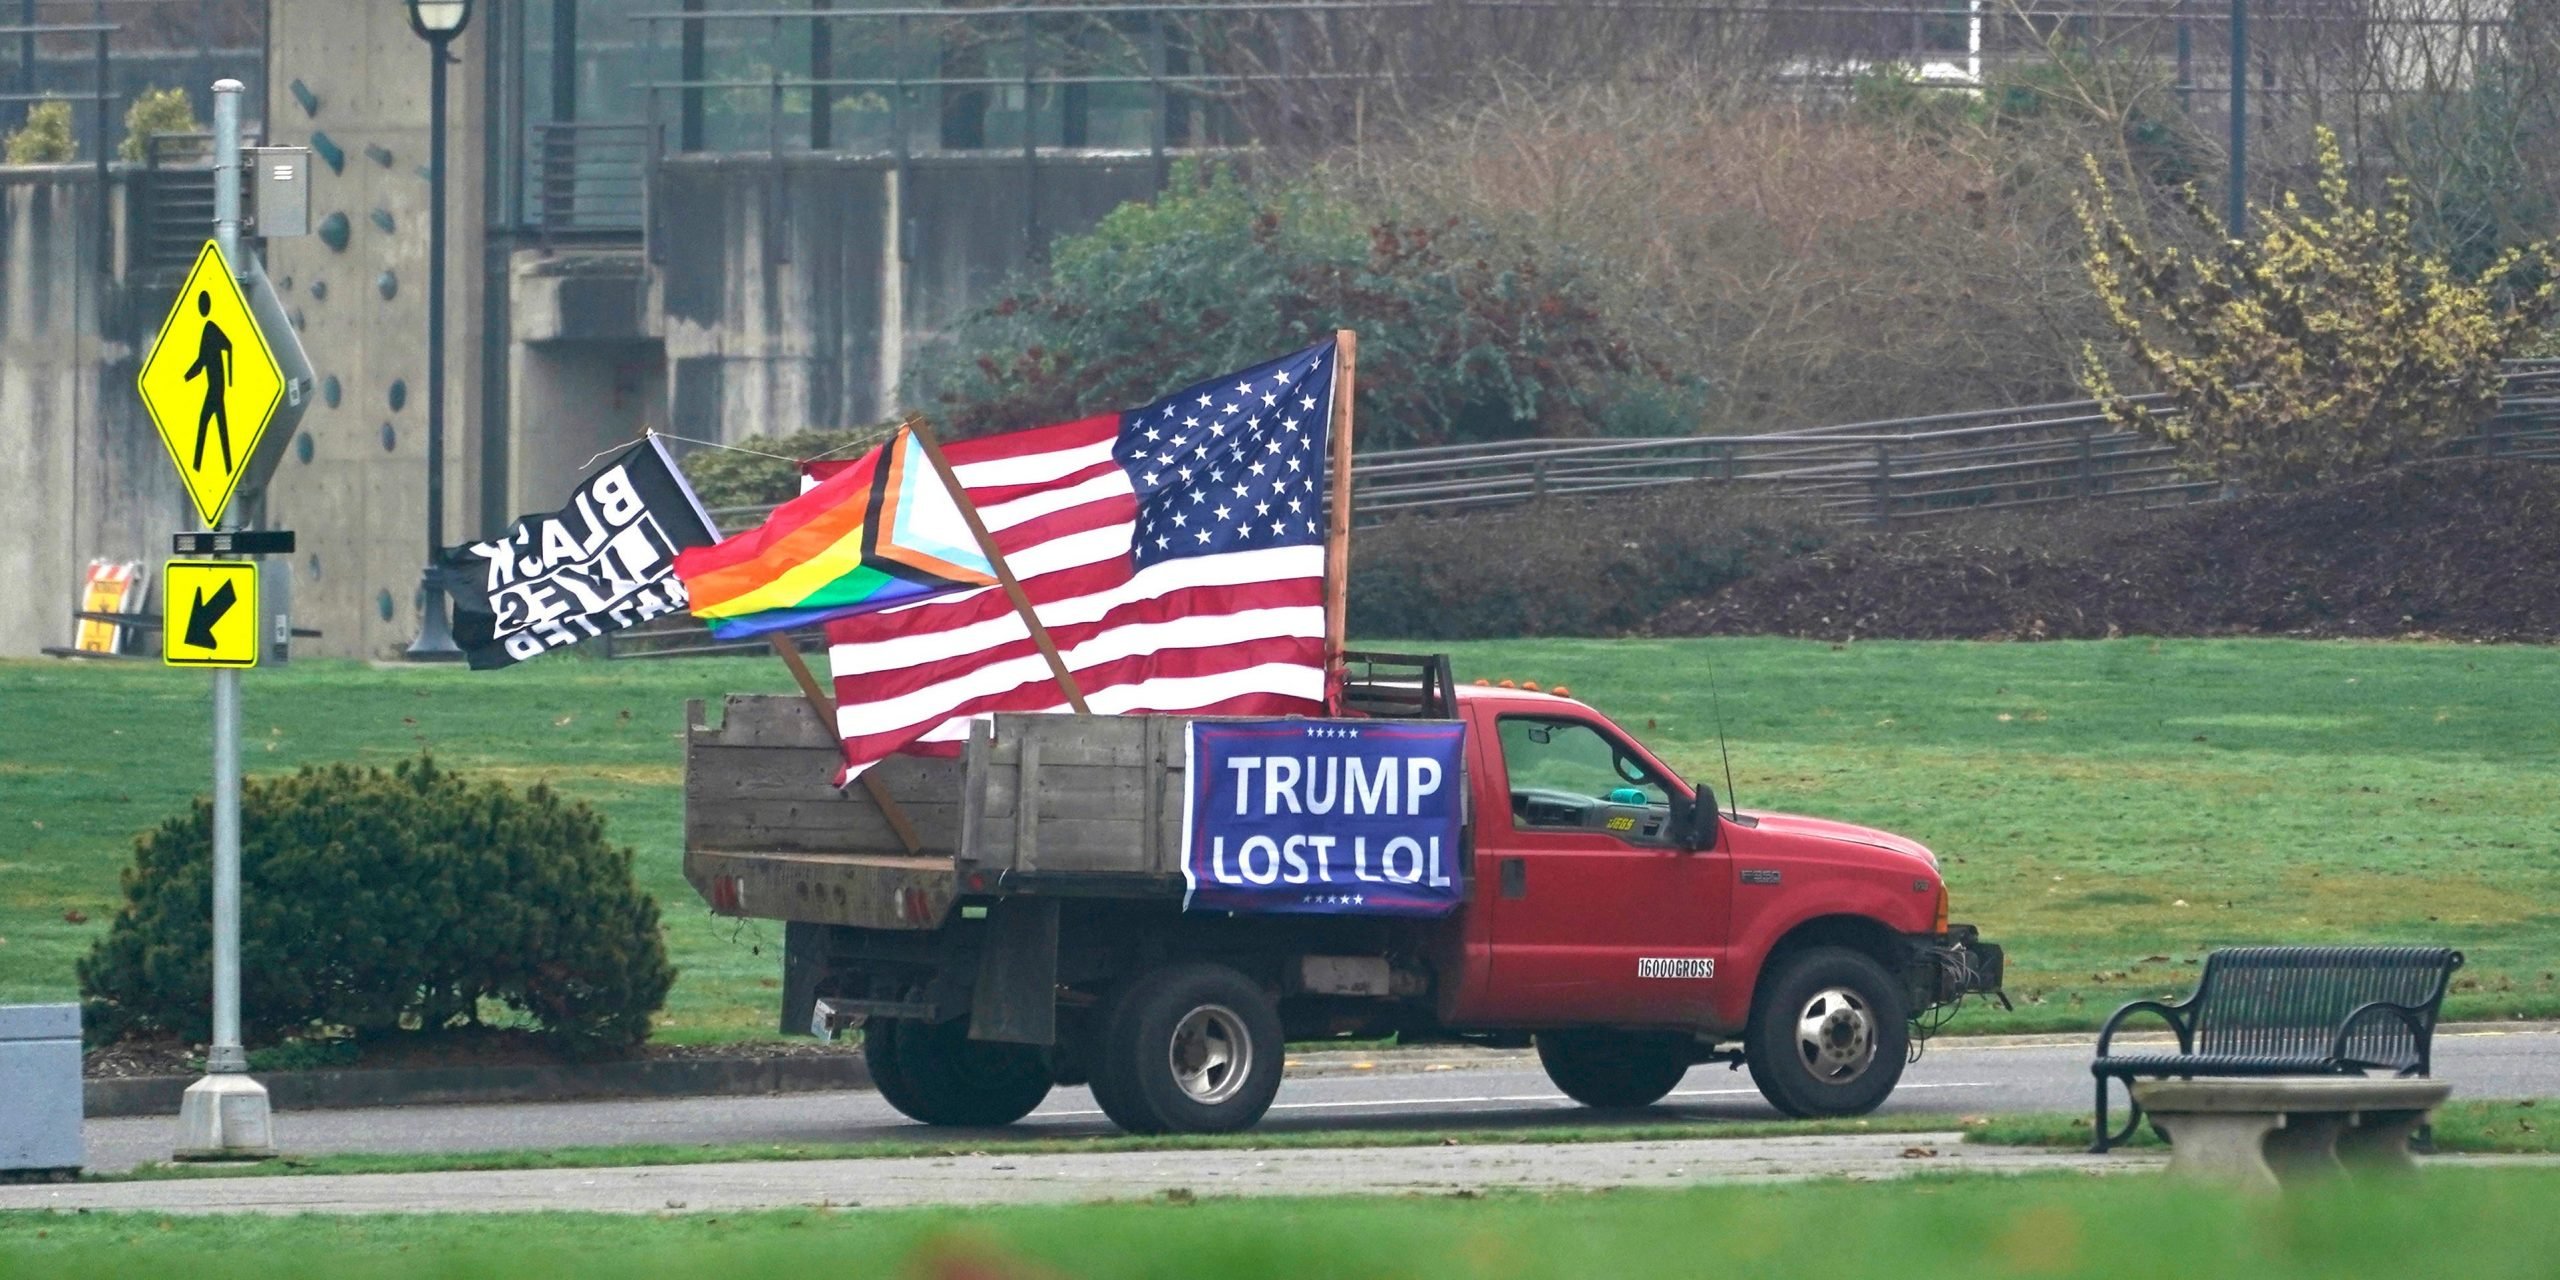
{"x":2174,"y":1014}
{"x":2406,"y":1014}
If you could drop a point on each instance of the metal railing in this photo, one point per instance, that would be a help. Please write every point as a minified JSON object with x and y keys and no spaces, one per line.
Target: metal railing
{"x":1885,"y":473}
{"x":1875,"y":472}
{"x":101,"y":96}
{"x":1879,"y":473}
{"x":589,"y":180}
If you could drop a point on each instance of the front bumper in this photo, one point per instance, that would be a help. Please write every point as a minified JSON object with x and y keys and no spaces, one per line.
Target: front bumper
{"x":1945,"y":968}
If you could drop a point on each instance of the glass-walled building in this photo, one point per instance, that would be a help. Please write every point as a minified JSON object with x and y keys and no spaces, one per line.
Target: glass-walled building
{"x":592,"y":87}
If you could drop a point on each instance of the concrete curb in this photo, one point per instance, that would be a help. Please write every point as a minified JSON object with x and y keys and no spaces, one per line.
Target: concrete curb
{"x":425,"y":1086}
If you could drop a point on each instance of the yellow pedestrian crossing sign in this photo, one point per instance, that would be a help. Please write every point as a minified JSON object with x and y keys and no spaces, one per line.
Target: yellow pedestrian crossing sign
{"x":212,"y":384}
{"x":209,"y":613}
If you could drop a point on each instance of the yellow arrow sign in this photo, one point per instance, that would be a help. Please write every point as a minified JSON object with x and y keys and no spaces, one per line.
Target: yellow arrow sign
{"x":211,"y":384}
{"x":209,"y":613}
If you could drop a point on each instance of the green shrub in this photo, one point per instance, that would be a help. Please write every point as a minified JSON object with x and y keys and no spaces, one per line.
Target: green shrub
{"x":47,"y":136}
{"x":375,"y":904}
{"x":1465,"y":334}
{"x":156,"y":111}
{"x":2328,"y":345}
{"x":1559,"y":568}
{"x":765,"y":470}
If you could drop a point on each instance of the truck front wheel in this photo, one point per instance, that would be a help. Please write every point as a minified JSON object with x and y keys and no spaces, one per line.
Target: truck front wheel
{"x":1614,"y":1069}
{"x":1188,"y":1048}
{"x":935,"y":1073}
{"x":1827,"y":1035}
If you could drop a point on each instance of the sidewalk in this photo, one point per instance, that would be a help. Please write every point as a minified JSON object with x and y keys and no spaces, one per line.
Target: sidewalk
{"x":1023,"y":1179}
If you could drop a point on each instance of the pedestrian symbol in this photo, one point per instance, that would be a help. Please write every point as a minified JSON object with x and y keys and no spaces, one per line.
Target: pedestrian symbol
{"x":209,"y":613}
{"x":213,"y":360}
{"x":211,"y":384}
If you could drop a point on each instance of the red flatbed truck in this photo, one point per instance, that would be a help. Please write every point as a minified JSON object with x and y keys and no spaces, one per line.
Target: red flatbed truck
{"x":1013,"y":919}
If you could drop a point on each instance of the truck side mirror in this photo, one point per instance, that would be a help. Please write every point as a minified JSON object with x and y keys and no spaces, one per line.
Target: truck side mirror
{"x":1693,"y":822}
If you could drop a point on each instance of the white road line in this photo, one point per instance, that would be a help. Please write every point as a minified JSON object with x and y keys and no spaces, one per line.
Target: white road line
{"x":1550,"y":1099}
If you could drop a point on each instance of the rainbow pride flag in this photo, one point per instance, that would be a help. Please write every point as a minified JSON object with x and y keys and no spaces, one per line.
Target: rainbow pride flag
{"x":880,"y":533}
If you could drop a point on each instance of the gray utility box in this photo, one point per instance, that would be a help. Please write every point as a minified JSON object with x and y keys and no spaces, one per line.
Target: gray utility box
{"x":40,"y":1078}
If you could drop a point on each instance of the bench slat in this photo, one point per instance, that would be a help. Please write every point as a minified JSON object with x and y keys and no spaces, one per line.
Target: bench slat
{"x":2291,"y":1002}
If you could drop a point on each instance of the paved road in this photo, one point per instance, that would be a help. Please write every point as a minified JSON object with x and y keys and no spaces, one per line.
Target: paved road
{"x":1075,"y":1176}
{"x":1476,"y":1091}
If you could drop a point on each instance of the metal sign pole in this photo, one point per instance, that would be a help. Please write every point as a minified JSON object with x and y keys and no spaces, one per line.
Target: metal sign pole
{"x":225,"y":1115}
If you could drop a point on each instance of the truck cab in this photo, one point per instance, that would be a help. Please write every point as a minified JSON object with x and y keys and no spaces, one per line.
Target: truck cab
{"x":1014,"y":918}
{"x":1620,"y":894}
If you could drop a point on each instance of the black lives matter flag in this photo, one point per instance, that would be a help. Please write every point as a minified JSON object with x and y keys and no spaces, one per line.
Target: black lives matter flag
{"x":604,"y":562}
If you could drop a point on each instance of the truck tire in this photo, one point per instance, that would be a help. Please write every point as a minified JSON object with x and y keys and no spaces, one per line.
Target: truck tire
{"x":1614,"y":1069}
{"x":933,"y":1072}
{"x":1188,"y":1048}
{"x":1828,"y":1034}
{"x":888,"y":1075}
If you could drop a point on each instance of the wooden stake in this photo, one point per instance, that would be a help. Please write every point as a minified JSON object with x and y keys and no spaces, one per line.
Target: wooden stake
{"x":1337,"y":540}
{"x":825,"y":706}
{"x":1004,"y":572}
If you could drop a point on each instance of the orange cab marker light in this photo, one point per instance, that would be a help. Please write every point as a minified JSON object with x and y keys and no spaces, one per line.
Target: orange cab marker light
{"x":1509,"y":685}
{"x":1531,"y":686}
{"x":1482,"y":683}
{"x":1561,"y":692}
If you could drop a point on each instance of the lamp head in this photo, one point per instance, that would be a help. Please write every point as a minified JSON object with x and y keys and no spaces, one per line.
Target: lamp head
{"x":439,"y":20}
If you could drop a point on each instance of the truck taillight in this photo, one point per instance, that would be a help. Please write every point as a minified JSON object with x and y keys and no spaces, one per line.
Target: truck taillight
{"x":1941,"y":925}
{"x":914,"y":907}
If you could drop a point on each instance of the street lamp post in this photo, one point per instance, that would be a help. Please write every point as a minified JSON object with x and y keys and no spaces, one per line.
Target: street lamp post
{"x":2237,"y":197}
{"x":437,"y":22}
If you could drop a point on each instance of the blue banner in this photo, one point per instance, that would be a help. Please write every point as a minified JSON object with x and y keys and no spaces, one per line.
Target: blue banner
{"x":1325,"y":818}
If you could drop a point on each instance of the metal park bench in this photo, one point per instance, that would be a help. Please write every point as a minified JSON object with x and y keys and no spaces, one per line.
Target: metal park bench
{"x":2288,"y":1011}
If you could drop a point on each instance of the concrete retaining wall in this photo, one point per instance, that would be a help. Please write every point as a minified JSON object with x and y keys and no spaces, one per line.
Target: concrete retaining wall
{"x":84,"y":473}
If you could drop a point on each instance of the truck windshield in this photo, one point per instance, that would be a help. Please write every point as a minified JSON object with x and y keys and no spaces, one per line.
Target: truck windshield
{"x":1562,"y":771}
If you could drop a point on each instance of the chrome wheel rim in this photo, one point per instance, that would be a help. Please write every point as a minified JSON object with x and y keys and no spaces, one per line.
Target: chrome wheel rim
{"x":1211,"y":1054}
{"x":1836,"y":1036}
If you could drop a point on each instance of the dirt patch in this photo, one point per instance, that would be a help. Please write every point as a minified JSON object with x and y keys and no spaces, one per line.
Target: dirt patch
{"x":2461,"y":551}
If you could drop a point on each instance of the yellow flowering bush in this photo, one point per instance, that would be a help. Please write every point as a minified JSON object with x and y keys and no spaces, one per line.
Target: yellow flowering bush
{"x":2327,"y":345}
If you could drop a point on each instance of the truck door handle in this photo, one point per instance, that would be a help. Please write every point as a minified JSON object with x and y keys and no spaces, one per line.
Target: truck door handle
{"x":1515,"y":877}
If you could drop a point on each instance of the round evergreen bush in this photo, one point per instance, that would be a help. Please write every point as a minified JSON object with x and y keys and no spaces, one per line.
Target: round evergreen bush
{"x":378,"y":903}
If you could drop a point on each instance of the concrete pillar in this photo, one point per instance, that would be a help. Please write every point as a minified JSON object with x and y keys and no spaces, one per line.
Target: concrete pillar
{"x":359,"y":501}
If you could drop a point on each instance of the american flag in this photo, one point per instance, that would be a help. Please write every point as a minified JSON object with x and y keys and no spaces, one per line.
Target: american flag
{"x":1174,"y":552}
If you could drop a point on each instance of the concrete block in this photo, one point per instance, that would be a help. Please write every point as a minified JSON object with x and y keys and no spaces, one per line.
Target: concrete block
{"x":225,"y":1117}
{"x":2287,"y":1131}
{"x":40,"y":1076}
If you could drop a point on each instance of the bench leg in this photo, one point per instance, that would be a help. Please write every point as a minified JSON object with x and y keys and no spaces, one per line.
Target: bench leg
{"x":2100,"y":1139}
{"x":2228,"y":1148}
{"x":2098,"y":1127}
{"x":2378,"y":1142}
{"x":2305,"y":1149}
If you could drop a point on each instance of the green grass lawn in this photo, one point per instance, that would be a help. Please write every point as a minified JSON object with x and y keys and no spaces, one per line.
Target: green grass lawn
{"x":2109,"y":810}
{"x":2473,"y":1222}
{"x":92,"y":754}
{"x":2112,"y":809}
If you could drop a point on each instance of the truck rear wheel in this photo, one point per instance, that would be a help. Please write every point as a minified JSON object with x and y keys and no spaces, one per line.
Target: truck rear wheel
{"x":1189,"y":1048}
{"x":1614,"y":1069}
{"x":935,"y":1073}
{"x":1828,"y":1034}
